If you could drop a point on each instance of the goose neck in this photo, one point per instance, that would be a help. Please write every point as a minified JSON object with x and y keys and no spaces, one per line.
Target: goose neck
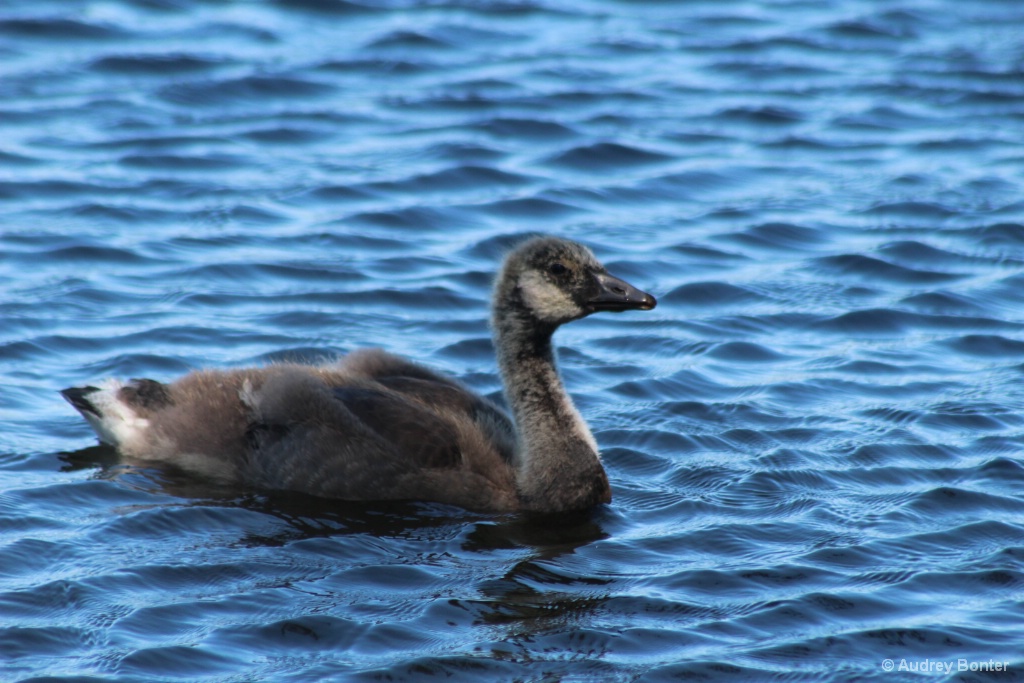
{"x":557,"y":467}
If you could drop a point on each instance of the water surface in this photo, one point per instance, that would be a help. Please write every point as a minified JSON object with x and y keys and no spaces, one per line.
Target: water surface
{"x":814,"y":441}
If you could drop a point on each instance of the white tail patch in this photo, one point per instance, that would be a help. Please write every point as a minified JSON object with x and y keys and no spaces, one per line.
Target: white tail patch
{"x":117,"y":423}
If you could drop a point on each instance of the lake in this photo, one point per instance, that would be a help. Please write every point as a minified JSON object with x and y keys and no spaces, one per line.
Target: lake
{"x":815,"y":442}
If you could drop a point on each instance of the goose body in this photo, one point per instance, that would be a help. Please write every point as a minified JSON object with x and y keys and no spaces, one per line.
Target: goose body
{"x":374,"y":426}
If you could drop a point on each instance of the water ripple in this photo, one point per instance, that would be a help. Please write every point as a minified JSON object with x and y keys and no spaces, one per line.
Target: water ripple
{"x":814,"y":441}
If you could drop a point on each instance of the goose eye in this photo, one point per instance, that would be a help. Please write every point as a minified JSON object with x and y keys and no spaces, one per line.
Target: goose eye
{"x":557,"y":269}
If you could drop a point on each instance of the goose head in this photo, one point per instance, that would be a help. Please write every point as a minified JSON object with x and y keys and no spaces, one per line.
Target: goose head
{"x":554,"y":281}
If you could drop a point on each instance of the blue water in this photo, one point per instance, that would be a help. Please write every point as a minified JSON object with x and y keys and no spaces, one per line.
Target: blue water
{"x":815,"y":442}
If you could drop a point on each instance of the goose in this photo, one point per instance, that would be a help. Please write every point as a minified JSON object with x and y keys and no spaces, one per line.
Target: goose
{"x":375,"y":426}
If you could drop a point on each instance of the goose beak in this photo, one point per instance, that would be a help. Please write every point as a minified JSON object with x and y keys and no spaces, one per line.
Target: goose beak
{"x":614,"y":294}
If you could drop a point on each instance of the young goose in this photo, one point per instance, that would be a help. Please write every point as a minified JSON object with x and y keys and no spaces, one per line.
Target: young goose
{"x":374,"y":426}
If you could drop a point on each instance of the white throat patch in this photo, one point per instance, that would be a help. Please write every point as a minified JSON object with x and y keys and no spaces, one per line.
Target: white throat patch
{"x":547,"y":301}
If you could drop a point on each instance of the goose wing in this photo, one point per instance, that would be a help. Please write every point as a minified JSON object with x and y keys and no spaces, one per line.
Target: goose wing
{"x":344,"y":436}
{"x":424,"y":438}
{"x":443,"y":396}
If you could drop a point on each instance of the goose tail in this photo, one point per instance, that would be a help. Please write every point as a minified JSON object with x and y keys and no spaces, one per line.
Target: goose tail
{"x":78,"y":397}
{"x":109,"y":411}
